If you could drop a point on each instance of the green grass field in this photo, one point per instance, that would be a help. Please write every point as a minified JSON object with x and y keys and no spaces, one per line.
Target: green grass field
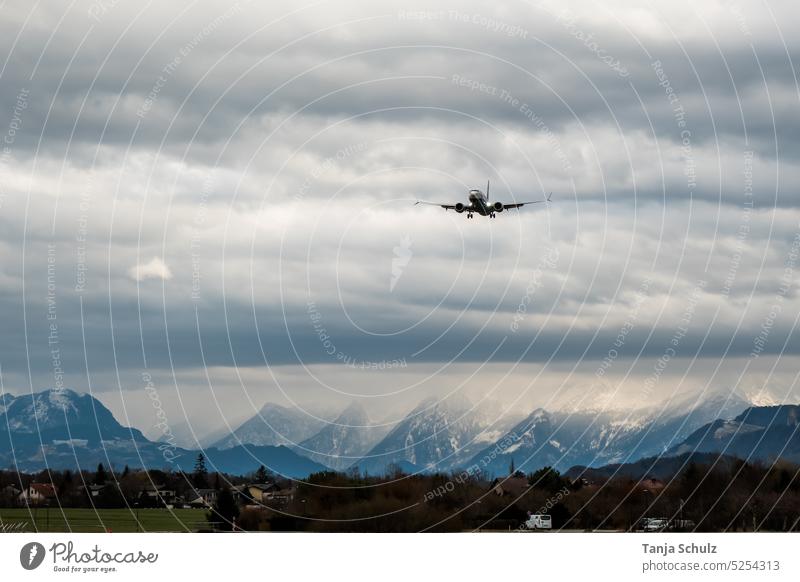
{"x":54,"y":519}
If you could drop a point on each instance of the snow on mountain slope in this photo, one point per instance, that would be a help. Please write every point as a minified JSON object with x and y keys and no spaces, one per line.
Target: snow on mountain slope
{"x":62,"y":414}
{"x":67,"y":430}
{"x":593,"y":437}
{"x":431,"y":437}
{"x":273,"y":425}
{"x":343,"y":441}
{"x":762,"y":433}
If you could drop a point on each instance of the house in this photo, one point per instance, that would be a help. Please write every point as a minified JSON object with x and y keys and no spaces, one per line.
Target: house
{"x":240,"y":494}
{"x":279,"y":496}
{"x":203,"y":497}
{"x":262,"y":493}
{"x":515,"y":485}
{"x":9,"y":494}
{"x":156,"y":495}
{"x":259,"y":492}
{"x":92,"y":490}
{"x":37,"y":494}
{"x":10,"y":490}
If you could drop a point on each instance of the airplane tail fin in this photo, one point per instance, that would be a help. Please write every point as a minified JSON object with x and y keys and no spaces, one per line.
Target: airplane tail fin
{"x":487,"y":190}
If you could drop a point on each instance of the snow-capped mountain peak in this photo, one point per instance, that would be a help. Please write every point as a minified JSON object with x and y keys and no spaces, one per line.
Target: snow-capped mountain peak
{"x":341,"y":442}
{"x":430,"y":437}
{"x":273,"y":425}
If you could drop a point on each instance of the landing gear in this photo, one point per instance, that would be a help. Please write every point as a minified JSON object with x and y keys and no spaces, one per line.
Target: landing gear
{"x":492,"y":215}
{"x":469,"y":215}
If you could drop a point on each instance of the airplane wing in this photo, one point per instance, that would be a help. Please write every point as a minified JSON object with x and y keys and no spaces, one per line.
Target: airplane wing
{"x":520,"y":204}
{"x":445,"y":206}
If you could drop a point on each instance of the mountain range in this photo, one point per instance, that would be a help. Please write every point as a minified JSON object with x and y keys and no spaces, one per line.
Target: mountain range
{"x":65,"y":429}
{"x":764,"y":433}
{"x":273,"y":425}
{"x":344,"y":441}
{"x":569,"y":437}
{"x":62,"y":429}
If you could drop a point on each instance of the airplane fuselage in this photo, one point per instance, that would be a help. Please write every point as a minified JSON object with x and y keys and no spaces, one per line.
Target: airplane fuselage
{"x":478,"y":204}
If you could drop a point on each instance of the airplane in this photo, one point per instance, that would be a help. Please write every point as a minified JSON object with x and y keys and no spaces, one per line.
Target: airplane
{"x":479,"y":202}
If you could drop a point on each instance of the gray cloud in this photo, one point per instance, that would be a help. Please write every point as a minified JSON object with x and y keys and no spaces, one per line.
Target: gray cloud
{"x":275,"y":164}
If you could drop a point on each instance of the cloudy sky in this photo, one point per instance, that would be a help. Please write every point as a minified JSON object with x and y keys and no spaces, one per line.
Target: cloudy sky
{"x":220,"y":197}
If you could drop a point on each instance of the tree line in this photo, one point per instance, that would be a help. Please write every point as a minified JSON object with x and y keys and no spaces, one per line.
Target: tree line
{"x":711,"y":494}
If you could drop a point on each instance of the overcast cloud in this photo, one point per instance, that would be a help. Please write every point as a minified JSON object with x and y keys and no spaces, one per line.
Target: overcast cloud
{"x":223,"y":195}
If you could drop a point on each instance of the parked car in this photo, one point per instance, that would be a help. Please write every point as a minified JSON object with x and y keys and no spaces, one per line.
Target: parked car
{"x":653,"y":524}
{"x":538,"y":521}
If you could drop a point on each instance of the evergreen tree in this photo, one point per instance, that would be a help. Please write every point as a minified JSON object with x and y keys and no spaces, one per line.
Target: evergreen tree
{"x":547,"y":479}
{"x":100,"y":477}
{"x":224,"y":512}
{"x":262,"y":476}
{"x":200,"y":474}
{"x":512,"y":468}
{"x":66,"y":484}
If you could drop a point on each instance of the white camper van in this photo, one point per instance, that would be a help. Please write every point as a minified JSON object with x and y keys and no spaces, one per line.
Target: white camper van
{"x":538,"y":521}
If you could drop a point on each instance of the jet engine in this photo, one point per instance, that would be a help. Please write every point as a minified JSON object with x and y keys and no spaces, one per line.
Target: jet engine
{"x":460,"y":207}
{"x":497,"y":207}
